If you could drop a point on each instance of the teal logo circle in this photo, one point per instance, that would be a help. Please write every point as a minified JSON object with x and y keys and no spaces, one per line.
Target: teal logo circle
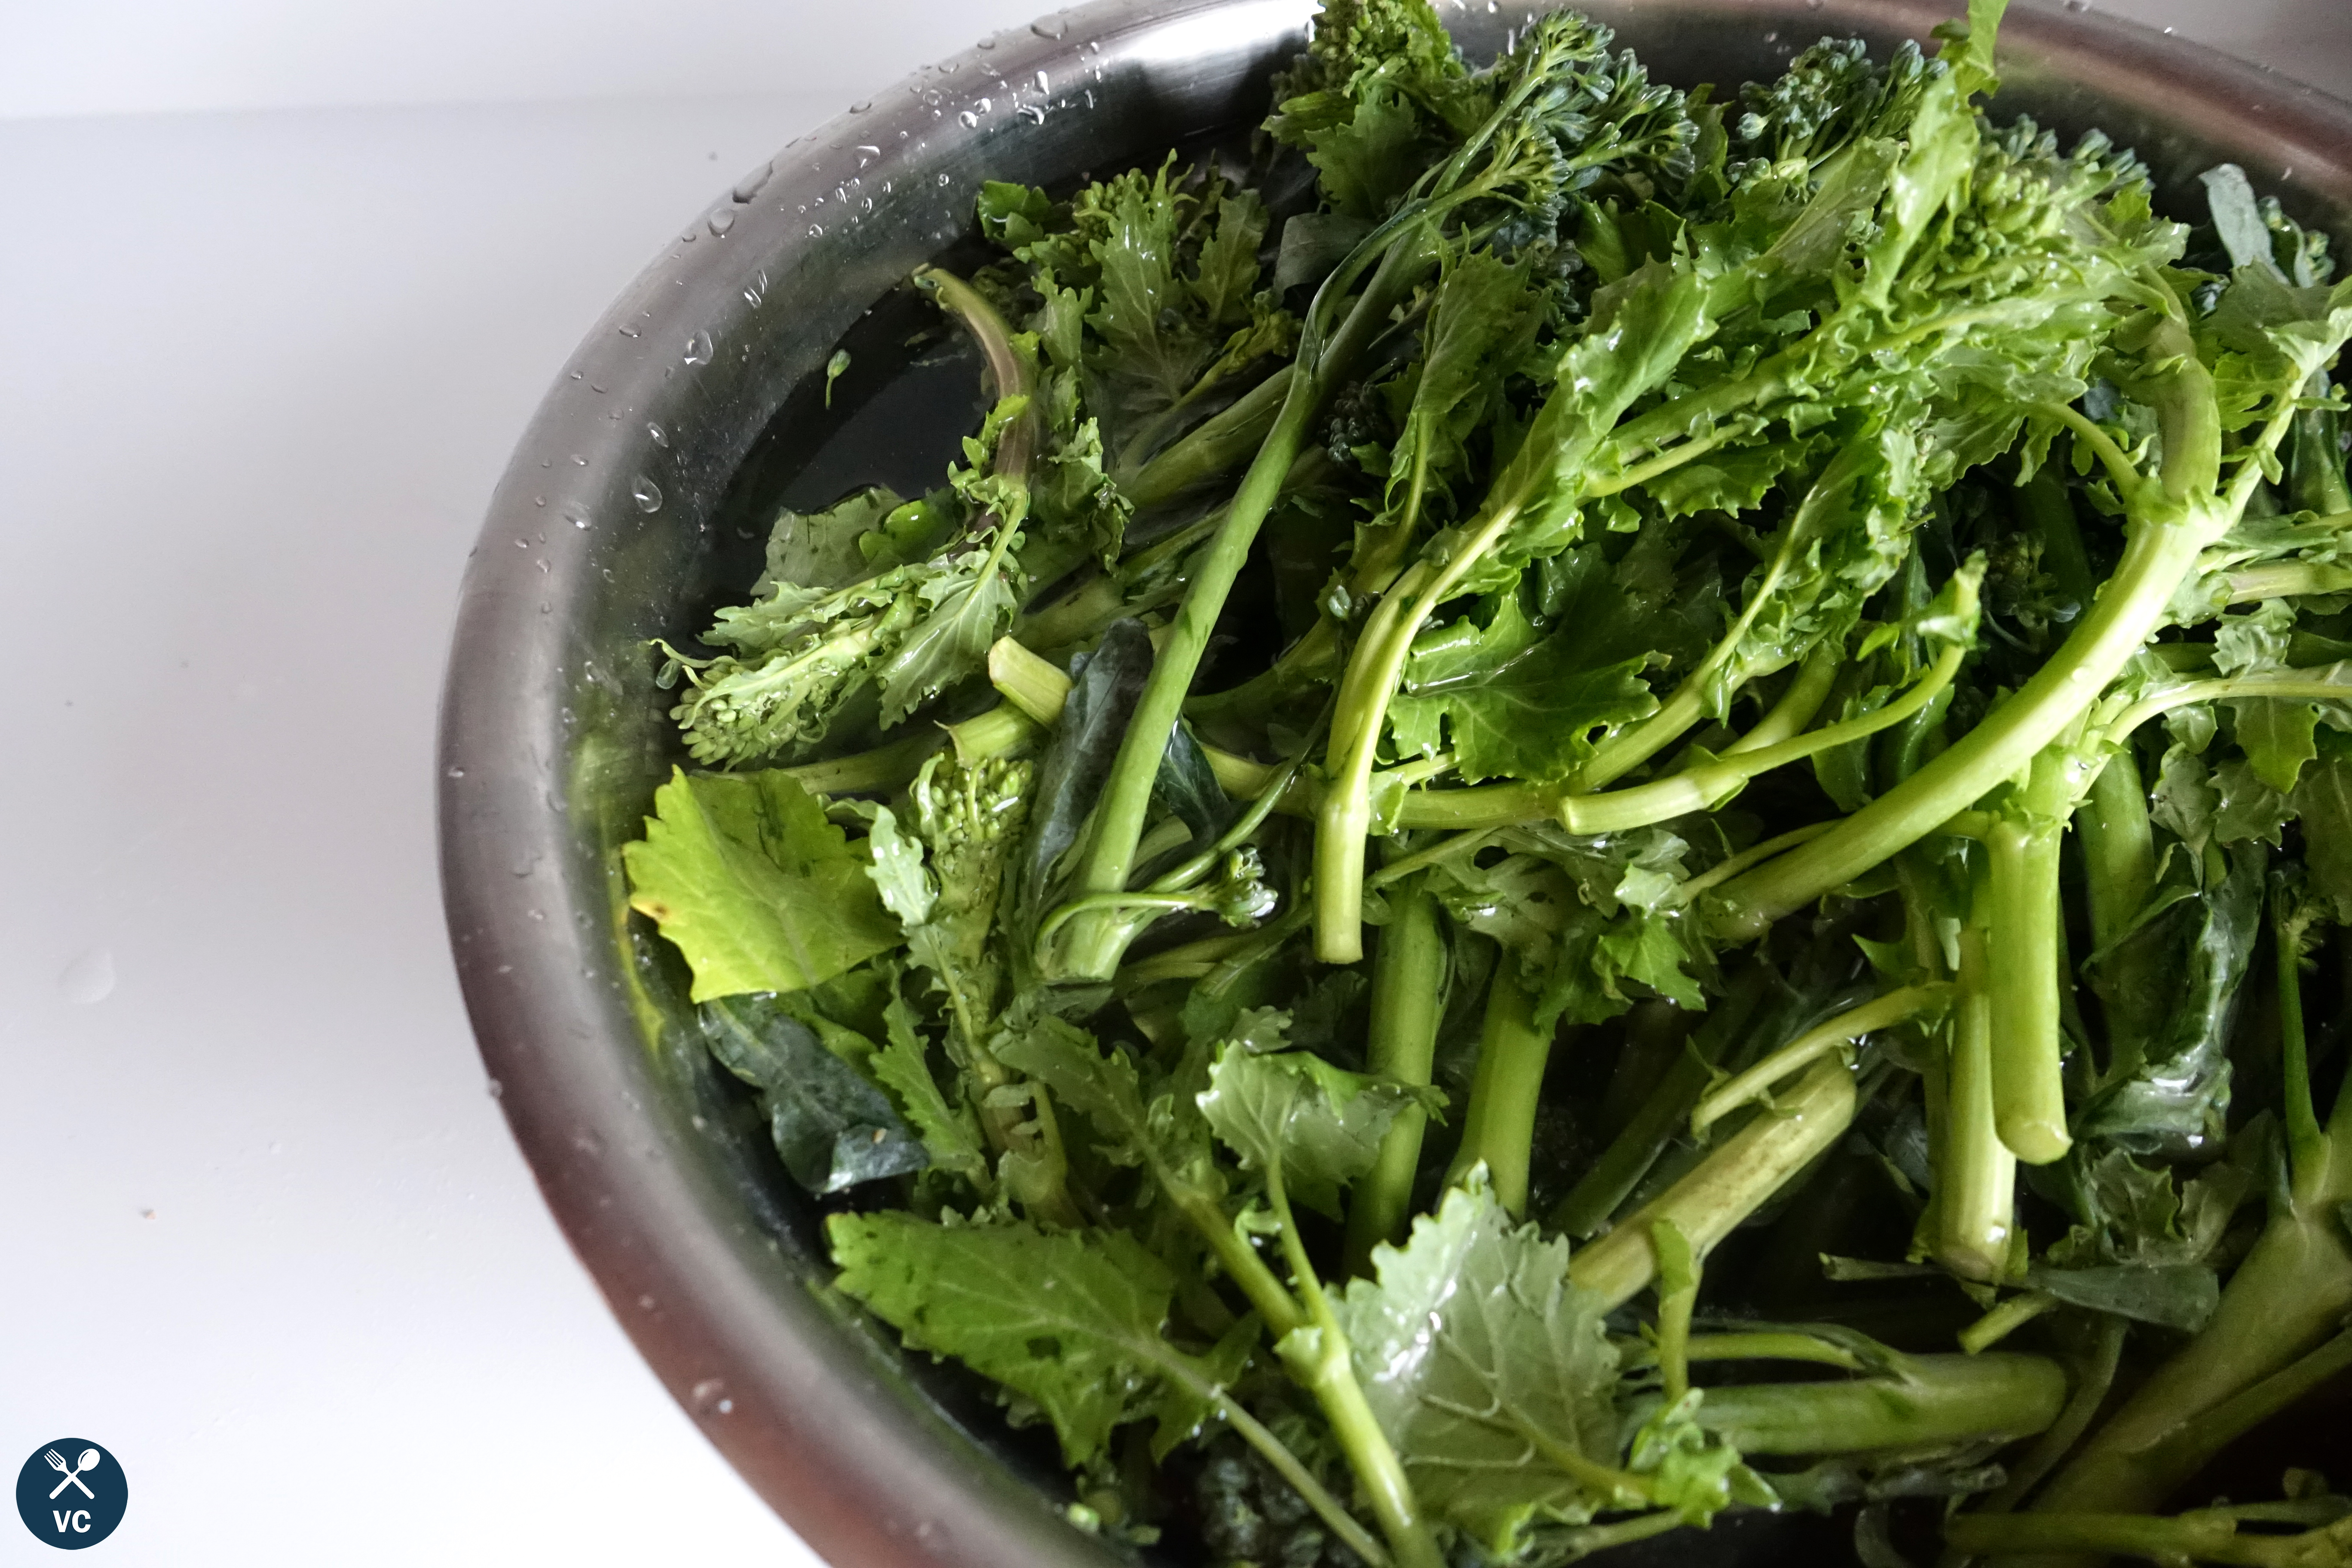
{"x":71,"y":1493}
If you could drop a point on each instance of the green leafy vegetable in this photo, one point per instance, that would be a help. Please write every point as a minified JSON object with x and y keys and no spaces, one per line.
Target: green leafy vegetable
{"x":1556,"y":733}
{"x":755,"y":887}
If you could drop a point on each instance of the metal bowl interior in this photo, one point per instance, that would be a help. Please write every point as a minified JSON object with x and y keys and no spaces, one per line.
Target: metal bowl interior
{"x":623,"y":517}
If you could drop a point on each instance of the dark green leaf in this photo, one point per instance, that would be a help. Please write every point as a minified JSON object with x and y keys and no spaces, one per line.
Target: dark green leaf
{"x":832,"y":1127}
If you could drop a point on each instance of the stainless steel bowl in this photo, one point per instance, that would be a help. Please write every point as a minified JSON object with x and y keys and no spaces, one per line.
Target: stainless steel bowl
{"x":613,"y":525}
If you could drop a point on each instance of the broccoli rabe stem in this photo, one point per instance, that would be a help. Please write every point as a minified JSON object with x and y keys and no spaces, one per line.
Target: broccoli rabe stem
{"x":1215,"y":447}
{"x":2093,"y":1375}
{"x":1318,"y":1356}
{"x":2118,"y":875}
{"x":1799,"y":703}
{"x":2158,"y":555}
{"x":2028,"y":1093}
{"x":1092,"y":947}
{"x":1837,"y":1034}
{"x":2171,"y":515}
{"x":1408,"y":996}
{"x":1735,"y":1180}
{"x":1645,"y":1135}
{"x":2207,"y":1536}
{"x":1976,"y":1173}
{"x":1927,"y":1400}
{"x":1498,"y":1128}
{"x":1302,"y":1480}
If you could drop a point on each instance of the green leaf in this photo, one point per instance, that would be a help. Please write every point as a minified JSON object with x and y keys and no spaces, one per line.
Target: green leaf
{"x":1068,"y":1321}
{"x":813,"y":550}
{"x":1514,"y":704}
{"x":964,"y":608}
{"x":1320,"y":1126}
{"x":1482,"y":1363}
{"x":1313,"y":243}
{"x":2175,"y":1295}
{"x":758,"y":891}
{"x":832,"y":1127}
{"x":904,"y":1067}
{"x":2277,"y":737}
{"x":1482,"y":323}
{"x":2323,"y":799}
{"x":2238,"y":217}
{"x":1224,"y":276}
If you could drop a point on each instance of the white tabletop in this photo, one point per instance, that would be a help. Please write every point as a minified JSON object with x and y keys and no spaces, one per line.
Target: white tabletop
{"x":268,"y":1239}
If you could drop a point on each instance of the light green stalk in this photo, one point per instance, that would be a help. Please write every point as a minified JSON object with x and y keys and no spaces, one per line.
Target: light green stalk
{"x":1929,"y":1400}
{"x":1976,"y":1175}
{"x":1735,"y":1180}
{"x":1498,"y":1128}
{"x":1644,"y":1135}
{"x":2028,"y":1093}
{"x":1408,"y":996}
{"x":2172,"y":517}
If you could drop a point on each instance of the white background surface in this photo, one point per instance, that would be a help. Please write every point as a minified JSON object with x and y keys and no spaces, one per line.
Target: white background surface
{"x":265,"y":354}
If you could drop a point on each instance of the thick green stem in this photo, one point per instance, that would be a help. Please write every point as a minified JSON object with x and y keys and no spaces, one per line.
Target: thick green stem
{"x":2119,"y":877}
{"x":1588,"y":1206}
{"x":1317,"y":1354}
{"x":1929,"y":1400}
{"x":1976,"y":1175}
{"x":884,"y":768}
{"x":1092,"y":948}
{"x":1739,"y":1177}
{"x":2029,"y":1091}
{"x":1839,"y":1032}
{"x":1799,"y":703}
{"x":1408,"y":993}
{"x":1302,"y":1479}
{"x":2160,"y":553}
{"x":2287,"y":580}
{"x":1241,"y":1264}
{"x":1498,"y":1128}
{"x":1214,"y":447}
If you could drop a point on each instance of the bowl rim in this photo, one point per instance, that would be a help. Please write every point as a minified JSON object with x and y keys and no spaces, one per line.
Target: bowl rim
{"x":820,"y":1427}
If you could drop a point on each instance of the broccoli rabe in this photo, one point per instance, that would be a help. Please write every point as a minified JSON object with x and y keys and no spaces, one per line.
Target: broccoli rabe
{"x":1597,"y":803}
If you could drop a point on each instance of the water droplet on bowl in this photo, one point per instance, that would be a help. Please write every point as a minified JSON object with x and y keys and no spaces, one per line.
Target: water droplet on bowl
{"x":698,"y":349}
{"x":861,"y":106}
{"x":498,"y":1091}
{"x":660,"y":436}
{"x":648,"y":494}
{"x":723,"y":220}
{"x":1044,"y":85}
{"x":753,"y":183}
{"x":1054,"y":26}
{"x":90,"y":978}
{"x":968,"y":119}
{"x":987,"y":43}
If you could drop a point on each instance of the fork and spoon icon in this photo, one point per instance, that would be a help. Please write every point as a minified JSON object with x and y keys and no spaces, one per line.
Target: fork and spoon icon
{"x":86,"y":1460}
